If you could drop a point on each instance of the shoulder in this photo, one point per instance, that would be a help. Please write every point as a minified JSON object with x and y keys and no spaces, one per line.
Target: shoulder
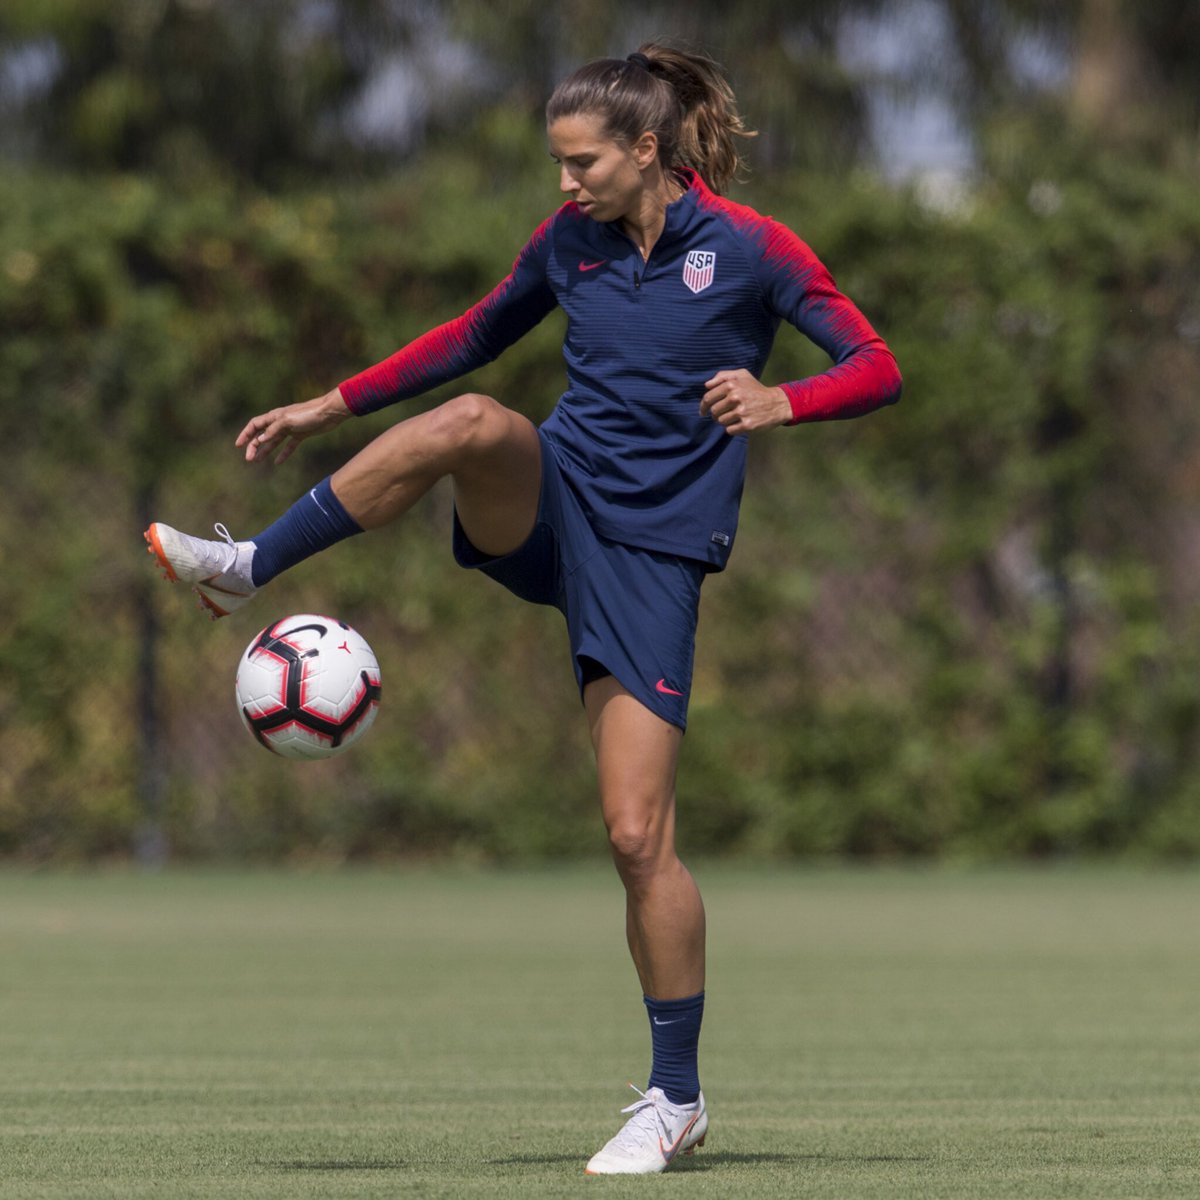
{"x":765,"y":238}
{"x":569,"y":217}
{"x":784,"y":265}
{"x":542,"y":247}
{"x":543,"y":233}
{"x":566,"y":217}
{"x":739,"y":219}
{"x":566,"y":225}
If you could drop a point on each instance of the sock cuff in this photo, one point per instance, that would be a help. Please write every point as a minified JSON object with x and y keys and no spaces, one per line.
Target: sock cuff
{"x":684,"y":1004}
{"x":315,"y":522}
{"x":674,"y":1045}
{"x":328,"y":502}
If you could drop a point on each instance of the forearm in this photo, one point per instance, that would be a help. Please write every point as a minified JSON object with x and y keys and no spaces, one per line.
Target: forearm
{"x":434,"y":358}
{"x":866,"y":380}
{"x":502,"y":317}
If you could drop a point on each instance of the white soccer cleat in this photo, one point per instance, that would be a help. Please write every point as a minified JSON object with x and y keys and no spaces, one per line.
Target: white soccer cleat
{"x":656,"y":1132}
{"x":219,"y":572}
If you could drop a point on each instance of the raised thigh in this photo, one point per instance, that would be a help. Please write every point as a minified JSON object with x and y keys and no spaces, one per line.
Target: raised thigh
{"x":492,"y":454}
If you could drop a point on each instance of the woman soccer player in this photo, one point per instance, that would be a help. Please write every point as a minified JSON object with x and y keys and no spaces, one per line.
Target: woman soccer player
{"x":616,"y":508}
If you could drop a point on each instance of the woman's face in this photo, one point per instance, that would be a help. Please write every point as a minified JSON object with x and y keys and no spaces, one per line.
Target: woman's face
{"x":602,"y":176}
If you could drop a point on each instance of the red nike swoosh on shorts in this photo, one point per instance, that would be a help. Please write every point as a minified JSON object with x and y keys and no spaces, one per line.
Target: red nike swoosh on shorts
{"x":592,"y":266}
{"x":661,"y":686}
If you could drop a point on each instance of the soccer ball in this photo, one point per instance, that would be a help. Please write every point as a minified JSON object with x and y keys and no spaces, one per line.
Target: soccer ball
{"x":308,"y":686}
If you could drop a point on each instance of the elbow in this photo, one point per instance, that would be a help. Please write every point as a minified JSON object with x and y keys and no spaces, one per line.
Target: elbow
{"x":886,"y":385}
{"x":889,"y":384}
{"x":895,"y":388}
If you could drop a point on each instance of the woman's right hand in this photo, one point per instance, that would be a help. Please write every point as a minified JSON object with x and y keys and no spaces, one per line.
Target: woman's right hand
{"x":285,"y":428}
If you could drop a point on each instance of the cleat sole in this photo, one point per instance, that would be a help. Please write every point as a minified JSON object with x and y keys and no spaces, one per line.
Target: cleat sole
{"x":214,"y":610}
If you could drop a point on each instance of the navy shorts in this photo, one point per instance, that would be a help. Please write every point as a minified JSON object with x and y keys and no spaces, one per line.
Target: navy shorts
{"x":630,"y":613}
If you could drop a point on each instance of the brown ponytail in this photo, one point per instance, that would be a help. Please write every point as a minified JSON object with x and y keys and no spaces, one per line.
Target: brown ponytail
{"x":683,"y":99}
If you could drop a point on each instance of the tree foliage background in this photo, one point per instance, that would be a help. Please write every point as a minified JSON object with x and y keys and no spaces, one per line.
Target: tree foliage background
{"x":965,"y":626}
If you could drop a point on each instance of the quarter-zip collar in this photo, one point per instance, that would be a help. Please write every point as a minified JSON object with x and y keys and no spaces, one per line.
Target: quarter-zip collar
{"x":677,"y":215}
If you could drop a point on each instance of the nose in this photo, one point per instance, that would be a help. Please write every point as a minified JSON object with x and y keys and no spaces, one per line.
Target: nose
{"x":565,"y":182}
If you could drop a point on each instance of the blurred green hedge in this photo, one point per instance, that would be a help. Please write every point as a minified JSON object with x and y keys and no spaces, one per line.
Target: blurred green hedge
{"x":964,"y":626}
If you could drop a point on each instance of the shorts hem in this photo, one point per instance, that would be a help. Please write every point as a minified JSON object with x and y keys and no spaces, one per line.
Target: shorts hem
{"x":644,"y":694}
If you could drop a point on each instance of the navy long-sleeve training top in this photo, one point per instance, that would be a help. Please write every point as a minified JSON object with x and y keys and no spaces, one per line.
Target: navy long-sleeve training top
{"x":643,"y":336}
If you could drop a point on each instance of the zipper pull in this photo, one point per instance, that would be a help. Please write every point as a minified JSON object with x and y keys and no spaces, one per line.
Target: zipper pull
{"x":637,"y":281}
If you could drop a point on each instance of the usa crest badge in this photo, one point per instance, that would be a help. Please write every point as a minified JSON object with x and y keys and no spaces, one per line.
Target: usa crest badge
{"x":698,"y":269}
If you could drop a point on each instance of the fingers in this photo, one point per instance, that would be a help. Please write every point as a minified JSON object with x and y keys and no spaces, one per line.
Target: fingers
{"x":724,"y":410}
{"x":261,"y":444}
{"x":720,"y":384}
{"x":283,"y":429}
{"x":728,"y":377}
{"x":724,"y":398}
{"x":257,"y":434}
{"x":732,"y":420}
{"x":740,"y":403}
{"x":250,"y":431}
{"x":716,"y":392}
{"x":264,"y":433}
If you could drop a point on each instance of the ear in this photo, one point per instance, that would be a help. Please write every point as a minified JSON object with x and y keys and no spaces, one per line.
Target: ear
{"x":645,"y":150}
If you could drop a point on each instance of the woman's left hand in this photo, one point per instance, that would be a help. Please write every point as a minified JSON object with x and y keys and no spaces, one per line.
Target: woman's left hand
{"x":741,"y":404}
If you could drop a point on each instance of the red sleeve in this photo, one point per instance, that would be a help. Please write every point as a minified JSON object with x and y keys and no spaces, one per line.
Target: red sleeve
{"x":506,"y":314}
{"x":799,"y":288}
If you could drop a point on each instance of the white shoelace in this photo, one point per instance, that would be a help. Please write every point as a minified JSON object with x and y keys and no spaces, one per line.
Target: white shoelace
{"x":647,"y":1124}
{"x":213,"y":557}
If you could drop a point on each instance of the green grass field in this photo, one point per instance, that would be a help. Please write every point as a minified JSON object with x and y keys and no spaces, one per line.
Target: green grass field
{"x":414,"y":1032}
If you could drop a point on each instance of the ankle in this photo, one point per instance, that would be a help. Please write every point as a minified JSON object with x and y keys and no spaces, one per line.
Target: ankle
{"x":675,"y":1039}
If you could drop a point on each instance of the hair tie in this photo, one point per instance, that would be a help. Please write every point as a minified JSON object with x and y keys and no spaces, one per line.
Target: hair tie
{"x":641,"y":60}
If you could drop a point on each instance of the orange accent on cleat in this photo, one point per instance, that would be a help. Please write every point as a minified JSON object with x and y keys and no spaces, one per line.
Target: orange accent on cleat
{"x":207,"y":605}
{"x":655,"y":1134}
{"x":154,"y":546}
{"x":221,"y":586}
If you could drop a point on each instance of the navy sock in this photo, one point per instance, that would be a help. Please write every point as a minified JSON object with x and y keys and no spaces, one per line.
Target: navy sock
{"x":675,"y":1037}
{"x":313,"y":523}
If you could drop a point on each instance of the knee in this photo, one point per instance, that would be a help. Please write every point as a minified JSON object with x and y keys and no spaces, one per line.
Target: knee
{"x":468,"y":422}
{"x":639,"y":849}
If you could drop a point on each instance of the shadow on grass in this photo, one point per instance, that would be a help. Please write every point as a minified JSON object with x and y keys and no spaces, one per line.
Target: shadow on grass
{"x":720,"y":1158}
{"x":700,"y":1162}
{"x":717,"y":1159}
